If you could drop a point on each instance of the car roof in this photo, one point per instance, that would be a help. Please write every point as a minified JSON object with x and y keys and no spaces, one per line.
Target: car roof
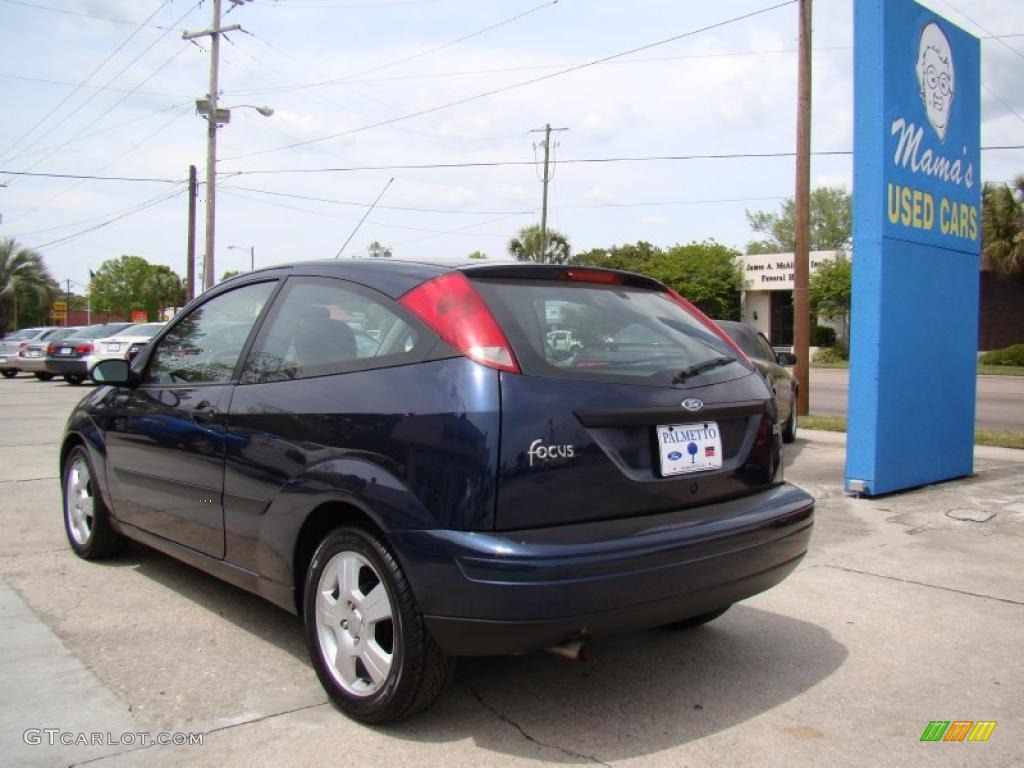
{"x":395,"y":277}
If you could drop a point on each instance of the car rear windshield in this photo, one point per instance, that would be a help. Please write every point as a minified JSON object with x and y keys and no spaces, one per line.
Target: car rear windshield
{"x":588,"y":331}
{"x":25,"y":333}
{"x":100,"y":331}
{"x":143,"y":329}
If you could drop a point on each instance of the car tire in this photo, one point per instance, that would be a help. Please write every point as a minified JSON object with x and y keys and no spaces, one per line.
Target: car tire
{"x":357,"y":600}
{"x":696,"y":621}
{"x":74,"y":378}
{"x":42,"y":376}
{"x":86,"y":518}
{"x":789,"y":428}
{"x":9,"y":373}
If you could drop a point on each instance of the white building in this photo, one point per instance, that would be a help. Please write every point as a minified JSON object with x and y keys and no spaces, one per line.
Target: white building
{"x":766,"y":302}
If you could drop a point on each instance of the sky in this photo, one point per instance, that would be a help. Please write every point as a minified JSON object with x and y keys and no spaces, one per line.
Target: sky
{"x":88,"y":91}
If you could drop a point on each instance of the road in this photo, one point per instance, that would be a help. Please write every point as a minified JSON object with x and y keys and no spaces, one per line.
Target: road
{"x":875,"y":634}
{"x":999,"y":404}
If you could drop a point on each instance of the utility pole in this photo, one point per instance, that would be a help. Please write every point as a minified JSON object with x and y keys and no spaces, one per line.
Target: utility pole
{"x":802,"y":213}
{"x":213,"y":117}
{"x":546,"y":130}
{"x":190,"y":269}
{"x":67,"y":309}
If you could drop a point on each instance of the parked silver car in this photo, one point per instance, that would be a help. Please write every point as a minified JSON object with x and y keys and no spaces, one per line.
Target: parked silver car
{"x":32,"y":357}
{"x":10,"y":345}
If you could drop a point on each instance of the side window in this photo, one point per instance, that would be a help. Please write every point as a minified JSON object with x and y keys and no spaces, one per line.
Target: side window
{"x":766,"y":349}
{"x":320,"y":326}
{"x":204,"y":346}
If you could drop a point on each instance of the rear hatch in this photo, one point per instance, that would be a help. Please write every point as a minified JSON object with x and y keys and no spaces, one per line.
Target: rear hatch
{"x":651,"y":409}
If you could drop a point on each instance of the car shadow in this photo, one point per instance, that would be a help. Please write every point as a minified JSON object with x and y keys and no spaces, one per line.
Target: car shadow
{"x":638,"y":695}
{"x":243,"y":609}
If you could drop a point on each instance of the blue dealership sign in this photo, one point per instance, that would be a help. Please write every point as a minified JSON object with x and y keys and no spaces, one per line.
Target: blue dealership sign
{"x":916,"y":243}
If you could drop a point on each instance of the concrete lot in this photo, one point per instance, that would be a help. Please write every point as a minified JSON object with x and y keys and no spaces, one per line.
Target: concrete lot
{"x":899,"y":615}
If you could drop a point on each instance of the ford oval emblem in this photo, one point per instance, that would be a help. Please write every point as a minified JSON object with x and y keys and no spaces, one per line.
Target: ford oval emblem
{"x":675,"y":456}
{"x":693,"y":404}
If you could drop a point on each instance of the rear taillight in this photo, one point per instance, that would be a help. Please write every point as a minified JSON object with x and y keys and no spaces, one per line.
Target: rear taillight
{"x":23,"y":345}
{"x":453,"y":309}
{"x":83,"y":349}
{"x":51,"y":349}
{"x":708,"y":323}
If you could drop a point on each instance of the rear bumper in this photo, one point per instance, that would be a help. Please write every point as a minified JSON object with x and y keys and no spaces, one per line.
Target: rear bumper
{"x":497,"y":593}
{"x":62,"y":367}
{"x":31,"y":364}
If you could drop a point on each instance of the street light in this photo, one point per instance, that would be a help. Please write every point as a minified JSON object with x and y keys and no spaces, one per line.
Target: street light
{"x":216,"y":116}
{"x":252,"y":254}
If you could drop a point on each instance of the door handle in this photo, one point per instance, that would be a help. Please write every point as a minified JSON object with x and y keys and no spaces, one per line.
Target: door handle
{"x":205,"y":413}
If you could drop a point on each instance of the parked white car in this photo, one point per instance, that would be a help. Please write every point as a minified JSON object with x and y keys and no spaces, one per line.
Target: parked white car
{"x":118,"y":345}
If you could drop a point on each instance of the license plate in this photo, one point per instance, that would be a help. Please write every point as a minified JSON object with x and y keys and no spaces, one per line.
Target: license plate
{"x":65,"y":351}
{"x":685,"y":448}
{"x":113,"y":347}
{"x":34,"y":353}
{"x":3,"y":360}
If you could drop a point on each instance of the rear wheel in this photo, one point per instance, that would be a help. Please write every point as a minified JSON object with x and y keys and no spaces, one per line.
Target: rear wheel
{"x":9,"y":373}
{"x":43,"y":376}
{"x":74,"y":378}
{"x":366,"y":637}
{"x":696,"y":621}
{"x":86,"y":517}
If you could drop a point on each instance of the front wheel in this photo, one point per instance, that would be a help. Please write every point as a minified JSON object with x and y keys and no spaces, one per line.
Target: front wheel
{"x":42,"y":376}
{"x":9,"y":373}
{"x":86,"y":517}
{"x":74,"y":378}
{"x":366,"y":637}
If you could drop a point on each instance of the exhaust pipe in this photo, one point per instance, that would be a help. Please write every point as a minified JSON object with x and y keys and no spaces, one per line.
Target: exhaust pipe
{"x":574,"y":650}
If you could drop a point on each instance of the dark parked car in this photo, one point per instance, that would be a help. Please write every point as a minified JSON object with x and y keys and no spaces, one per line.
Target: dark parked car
{"x":773,"y":366}
{"x":74,"y":357}
{"x":459,"y":488}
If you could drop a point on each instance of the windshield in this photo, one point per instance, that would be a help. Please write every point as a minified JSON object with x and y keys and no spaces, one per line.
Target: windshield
{"x":142,"y":329}
{"x":63,"y":333}
{"x":25,"y":333}
{"x":605,"y":332}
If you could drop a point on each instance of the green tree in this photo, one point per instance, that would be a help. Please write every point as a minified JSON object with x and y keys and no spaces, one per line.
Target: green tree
{"x":707,"y":273}
{"x":26,"y":286}
{"x":228,"y":274}
{"x":633,"y":257}
{"x":479,"y":255}
{"x":526,"y":246}
{"x":130,"y":282}
{"x":830,"y":292}
{"x":377,"y":251}
{"x":1002,"y":227}
{"x":831,"y":225}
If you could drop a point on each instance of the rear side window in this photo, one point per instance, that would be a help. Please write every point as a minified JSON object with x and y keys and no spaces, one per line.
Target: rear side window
{"x":577,"y":330}
{"x":320,"y":326}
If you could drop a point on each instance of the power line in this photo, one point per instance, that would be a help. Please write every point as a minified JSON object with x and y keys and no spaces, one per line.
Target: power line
{"x":281,"y":4}
{"x":91,"y":177}
{"x":492,"y":92}
{"x":86,"y":15}
{"x":162,"y":198}
{"x":50,"y":81}
{"x":89,"y":77}
{"x":988,"y":32}
{"x":404,"y":208}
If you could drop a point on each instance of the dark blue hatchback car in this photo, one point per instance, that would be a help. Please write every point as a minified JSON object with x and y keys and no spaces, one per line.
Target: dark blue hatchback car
{"x":399,"y":453}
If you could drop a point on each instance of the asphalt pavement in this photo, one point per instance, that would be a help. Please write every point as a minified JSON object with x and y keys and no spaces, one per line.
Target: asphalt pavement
{"x":905,"y":611}
{"x":999,"y":403}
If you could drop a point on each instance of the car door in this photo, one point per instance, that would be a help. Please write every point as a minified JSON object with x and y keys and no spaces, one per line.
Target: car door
{"x":166,"y":438}
{"x":778,"y":377}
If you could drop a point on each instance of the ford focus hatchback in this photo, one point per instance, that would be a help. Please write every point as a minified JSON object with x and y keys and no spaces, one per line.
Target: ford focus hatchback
{"x":398,"y":453}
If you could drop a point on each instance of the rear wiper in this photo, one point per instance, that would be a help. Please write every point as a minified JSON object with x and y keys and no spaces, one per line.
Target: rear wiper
{"x":716,"y":362}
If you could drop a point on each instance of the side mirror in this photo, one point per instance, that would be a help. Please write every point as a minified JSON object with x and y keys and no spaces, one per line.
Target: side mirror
{"x":786,"y":358}
{"x":111,"y":372}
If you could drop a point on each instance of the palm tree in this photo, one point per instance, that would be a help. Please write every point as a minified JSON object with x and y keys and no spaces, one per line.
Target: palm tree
{"x":526,"y":246}
{"x":1002,"y":227}
{"x":163,"y":288}
{"x":22,"y":274}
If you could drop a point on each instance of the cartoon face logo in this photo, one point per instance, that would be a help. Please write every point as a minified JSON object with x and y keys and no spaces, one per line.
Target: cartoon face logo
{"x":935,"y":76}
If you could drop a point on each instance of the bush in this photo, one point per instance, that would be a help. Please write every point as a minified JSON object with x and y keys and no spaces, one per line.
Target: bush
{"x":823,"y":336}
{"x":1012,"y":355}
{"x":831,"y":355}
